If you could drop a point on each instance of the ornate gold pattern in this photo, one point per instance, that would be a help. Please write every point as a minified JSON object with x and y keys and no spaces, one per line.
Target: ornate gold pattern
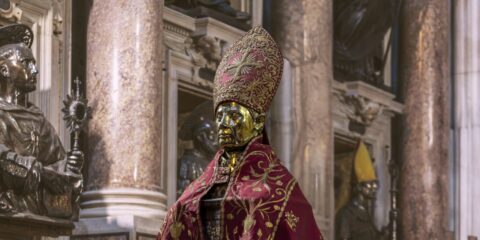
{"x":292,"y":220}
{"x":275,"y":189}
{"x":242,"y":66}
{"x":261,"y":179}
{"x":289,"y":188}
{"x":250,"y":71}
{"x":177,"y":226}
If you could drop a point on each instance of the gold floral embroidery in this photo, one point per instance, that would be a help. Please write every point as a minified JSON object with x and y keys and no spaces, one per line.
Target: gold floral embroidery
{"x":250,"y":71}
{"x":269,"y":224}
{"x":259,"y":233}
{"x":176,"y":230}
{"x":242,"y":65}
{"x":265,"y":174}
{"x":248,"y":223}
{"x":177,"y":226}
{"x":292,"y":220}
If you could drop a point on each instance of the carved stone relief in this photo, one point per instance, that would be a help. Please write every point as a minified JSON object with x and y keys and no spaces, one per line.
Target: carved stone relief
{"x":359,"y":108}
{"x":10,"y":11}
{"x":205,"y":51}
{"x":57,"y":17}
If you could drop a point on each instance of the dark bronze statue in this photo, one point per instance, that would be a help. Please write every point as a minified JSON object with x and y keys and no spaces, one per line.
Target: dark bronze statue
{"x":359,"y":30}
{"x":354,"y":221}
{"x":37,"y":176}
{"x":201,"y":130}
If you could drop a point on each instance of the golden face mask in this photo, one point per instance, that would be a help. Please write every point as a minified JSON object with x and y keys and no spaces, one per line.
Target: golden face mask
{"x":237,"y":125}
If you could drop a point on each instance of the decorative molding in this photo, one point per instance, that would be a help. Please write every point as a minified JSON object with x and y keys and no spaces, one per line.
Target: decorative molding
{"x":57,"y":17}
{"x":13,"y":13}
{"x":174,"y":28}
{"x":370,"y":92}
{"x":359,"y":108}
{"x":123,"y":201}
{"x":205,"y":51}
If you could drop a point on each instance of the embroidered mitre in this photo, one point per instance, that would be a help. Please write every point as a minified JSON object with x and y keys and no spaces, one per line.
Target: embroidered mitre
{"x":250,"y":71}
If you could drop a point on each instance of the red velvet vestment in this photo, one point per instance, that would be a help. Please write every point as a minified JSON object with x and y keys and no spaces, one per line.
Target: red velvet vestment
{"x":263,"y":201}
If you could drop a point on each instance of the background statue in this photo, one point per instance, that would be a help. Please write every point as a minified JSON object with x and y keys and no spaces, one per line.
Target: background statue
{"x":36,"y":175}
{"x":359,"y":30}
{"x":199,"y":128}
{"x":354,"y":221}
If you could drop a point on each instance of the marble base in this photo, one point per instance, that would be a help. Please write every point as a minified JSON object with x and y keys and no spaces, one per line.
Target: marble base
{"x":29,"y":226}
{"x":118,"y":228}
{"x":123,"y":202}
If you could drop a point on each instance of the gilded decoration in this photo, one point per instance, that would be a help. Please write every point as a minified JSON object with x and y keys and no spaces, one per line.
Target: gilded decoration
{"x":245,"y":213}
{"x":245,"y":190}
{"x":251,"y":67}
{"x":292,"y":220}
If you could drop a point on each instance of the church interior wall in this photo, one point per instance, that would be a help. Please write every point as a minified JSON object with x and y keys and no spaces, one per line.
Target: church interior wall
{"x":187,"y":82}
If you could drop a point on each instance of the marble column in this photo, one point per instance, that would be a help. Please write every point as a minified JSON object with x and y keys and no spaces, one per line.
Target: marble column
{"x":304,"y":31}
{"x":281,"y":119}
{"x":467,"y":112}
{"x":124,"y":74}
{"x":424,"y":75}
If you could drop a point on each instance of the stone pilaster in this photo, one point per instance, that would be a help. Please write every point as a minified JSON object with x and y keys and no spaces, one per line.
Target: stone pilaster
{"x":424,"y":76}
{"x":124,"y":74}
{"x":467,"y":121}
{"x":304,"y":31}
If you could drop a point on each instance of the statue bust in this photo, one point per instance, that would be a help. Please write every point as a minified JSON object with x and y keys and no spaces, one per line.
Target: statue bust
{"x":244,"y":192}
{"x":354,"y":221}
{"x":36,"y":175}
{"x":199,"y":128}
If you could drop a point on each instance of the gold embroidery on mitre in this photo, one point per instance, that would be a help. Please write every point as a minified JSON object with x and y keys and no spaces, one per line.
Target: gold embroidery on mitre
{"x":242,"y":65}
{"x":292,"y":220}
{"x":250,"y":71}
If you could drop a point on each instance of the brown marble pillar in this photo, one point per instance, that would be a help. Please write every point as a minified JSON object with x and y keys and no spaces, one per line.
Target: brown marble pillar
{"x":124,"y":74}
{"x":424,"y":75}
{"x":304,"y":31}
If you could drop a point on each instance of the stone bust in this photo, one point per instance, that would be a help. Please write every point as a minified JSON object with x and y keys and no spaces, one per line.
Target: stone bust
{"x":201,"y":130}
{"x":36,"y":175}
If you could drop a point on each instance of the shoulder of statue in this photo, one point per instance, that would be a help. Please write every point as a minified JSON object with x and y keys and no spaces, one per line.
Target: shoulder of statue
{"x":257,"y":145}
{"x":34,"y":109}
{"x":31,"y":108}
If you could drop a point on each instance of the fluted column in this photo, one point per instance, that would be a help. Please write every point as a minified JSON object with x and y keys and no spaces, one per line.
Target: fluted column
{"x":467,"y":123}
{"x":424,"y":75}
{"x":124,"y":74}
{"x":304,"y":31}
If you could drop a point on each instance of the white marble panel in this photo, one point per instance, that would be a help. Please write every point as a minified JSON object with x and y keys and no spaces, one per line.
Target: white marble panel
{"x":467,"y":148}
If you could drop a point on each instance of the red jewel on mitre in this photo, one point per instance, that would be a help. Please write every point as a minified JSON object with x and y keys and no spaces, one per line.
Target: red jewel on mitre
{"x":250,"y":71}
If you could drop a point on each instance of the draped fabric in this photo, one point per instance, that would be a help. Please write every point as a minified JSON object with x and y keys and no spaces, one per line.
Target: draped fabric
{"x":263,"y":201}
